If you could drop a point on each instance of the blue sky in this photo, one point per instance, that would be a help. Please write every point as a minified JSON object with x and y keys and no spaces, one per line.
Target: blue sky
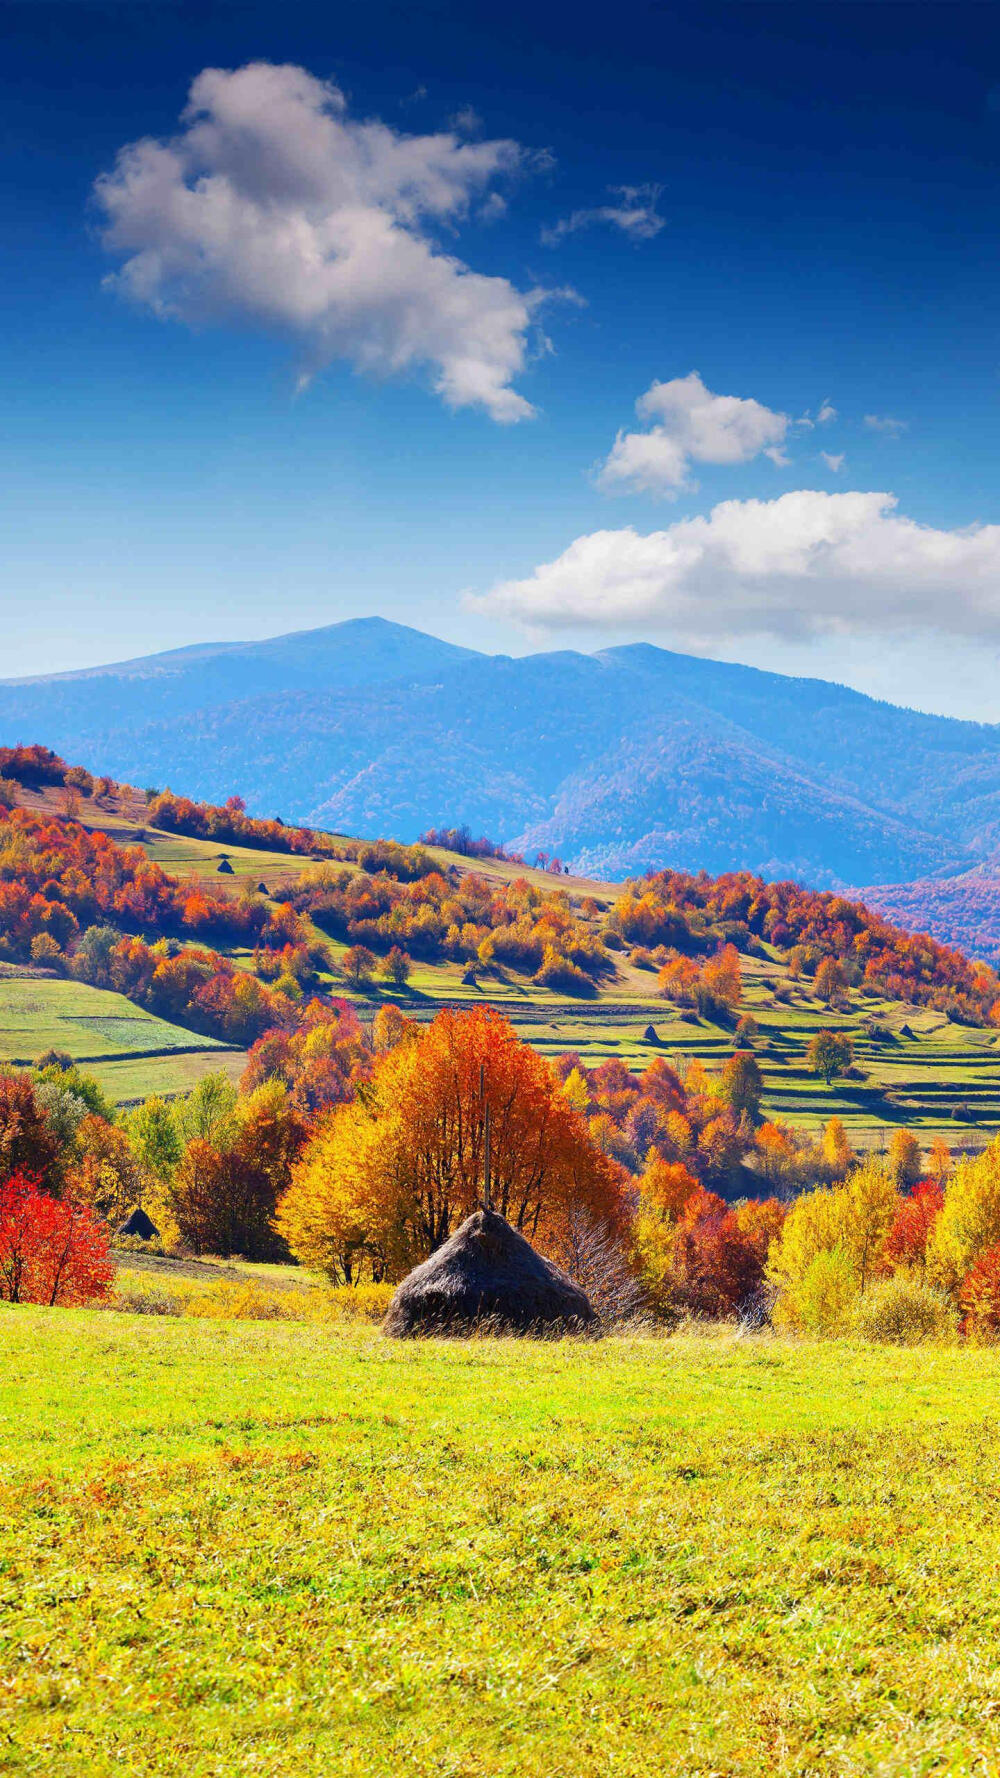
{"x":820,"y":186}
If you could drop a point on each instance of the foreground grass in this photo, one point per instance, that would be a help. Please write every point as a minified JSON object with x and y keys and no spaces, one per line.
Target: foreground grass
{"x":277,"y":1549}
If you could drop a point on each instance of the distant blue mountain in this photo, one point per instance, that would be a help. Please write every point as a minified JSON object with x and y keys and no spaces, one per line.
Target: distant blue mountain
{"x":620,"y":761}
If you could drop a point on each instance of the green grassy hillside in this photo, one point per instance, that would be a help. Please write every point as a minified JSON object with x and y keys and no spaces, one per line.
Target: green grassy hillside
{"x":912,"y":1066}
{"x":272,"y":1548}
{"x":131,"y":1052}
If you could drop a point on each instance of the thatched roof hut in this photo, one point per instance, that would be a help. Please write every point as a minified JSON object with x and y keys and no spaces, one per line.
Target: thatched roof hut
{"x":487,"y":1278}
{"x":140,"y":1225}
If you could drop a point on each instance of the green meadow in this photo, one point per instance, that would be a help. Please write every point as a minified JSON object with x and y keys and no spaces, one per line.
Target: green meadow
{"x":272,"y":1548}
{"x":130,"y":1051}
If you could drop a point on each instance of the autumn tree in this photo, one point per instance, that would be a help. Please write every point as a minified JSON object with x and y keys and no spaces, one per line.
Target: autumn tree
{"x":389,"y":1027}
{"x":358,"y":964}
{"x":838,"y":1155}
{"x":392,"y":1174}
{"x":50,"y":1251}
{"x":396,"y":967}
{"x":107,"y":1175}
{"x":918,"y":1211}
{"x":831,"y":981}
{"x":830,"y":1054}
{"x":969,"y":1223}
{"x":28,"y":1144}
{"x":832,"y":1244}
{"x":223,"y":1200}
{"x":720,"y":984}
{"x":904,"y":1159}
{"x":742,"y":1084}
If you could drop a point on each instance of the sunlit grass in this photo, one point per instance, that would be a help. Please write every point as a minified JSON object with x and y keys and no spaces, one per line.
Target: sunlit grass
{"x":276,"y":1548}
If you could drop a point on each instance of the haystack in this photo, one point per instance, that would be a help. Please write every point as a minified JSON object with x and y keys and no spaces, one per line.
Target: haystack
{"x":224,"y":869}
{"x":140,"y":1225}
{"x":487,"y":1278}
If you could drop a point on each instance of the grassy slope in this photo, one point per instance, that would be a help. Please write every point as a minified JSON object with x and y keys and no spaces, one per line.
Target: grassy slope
{"x":913,"y":1079}
{"x":131,"y":1052}
{"x":262,"y":1548}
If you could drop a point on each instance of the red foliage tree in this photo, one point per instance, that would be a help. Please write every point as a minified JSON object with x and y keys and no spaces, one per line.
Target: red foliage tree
{"x":28,"y":1145}
{"x":979,"y":1294}
{"x":50,"y":1251}
{"x":906,"y":1243}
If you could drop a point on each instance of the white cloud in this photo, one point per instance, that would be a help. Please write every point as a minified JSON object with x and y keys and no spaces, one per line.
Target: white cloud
{"x":635,"y":214}
{"x":804,"y":565}
{"x":826,"y":413}
{"x":885,"y":423}
{"x":834,"y":460}
{"x":272,"y":205}
{"x":690,"y":425}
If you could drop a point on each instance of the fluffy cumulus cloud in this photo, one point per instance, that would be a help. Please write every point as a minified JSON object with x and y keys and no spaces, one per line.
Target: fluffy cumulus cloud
{"x":805,"y":565}
{"x":688,"y":424}
{"x":634,"y":212}
{"x":274,"y":206}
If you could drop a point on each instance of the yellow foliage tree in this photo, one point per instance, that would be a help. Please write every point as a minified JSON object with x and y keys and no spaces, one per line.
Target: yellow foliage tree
{"x":391,"y":1026}
{"x":575,"y":1089}
{"x":854,"y":1220}
{"x":969,"y":1223}
{"x":837,"y":1151}
{"x":905,"y":1162}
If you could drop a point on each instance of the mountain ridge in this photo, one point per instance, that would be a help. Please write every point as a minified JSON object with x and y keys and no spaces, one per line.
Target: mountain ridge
{"x":632,"y":758}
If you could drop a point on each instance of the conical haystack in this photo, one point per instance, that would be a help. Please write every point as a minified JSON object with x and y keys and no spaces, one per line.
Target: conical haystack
{"x":487,"y":1278}
{"x":140,"y":1225}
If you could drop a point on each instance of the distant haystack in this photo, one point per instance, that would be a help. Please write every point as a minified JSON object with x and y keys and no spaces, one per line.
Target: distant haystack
{"x":487,"y":1278}
{"x":262,"y":889}
{"x":224,"y":869}
{"x":140,"y":1226}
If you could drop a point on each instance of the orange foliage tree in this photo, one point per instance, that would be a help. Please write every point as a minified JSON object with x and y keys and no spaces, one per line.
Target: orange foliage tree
{"x":387,"y":1178}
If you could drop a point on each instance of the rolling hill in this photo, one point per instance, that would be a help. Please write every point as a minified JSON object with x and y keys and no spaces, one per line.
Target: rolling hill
{"x":619,"y":762}
{"x":916,"y":1064}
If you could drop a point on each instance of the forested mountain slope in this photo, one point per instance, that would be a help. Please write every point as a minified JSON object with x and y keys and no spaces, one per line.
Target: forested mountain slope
{"x":621,"y":761}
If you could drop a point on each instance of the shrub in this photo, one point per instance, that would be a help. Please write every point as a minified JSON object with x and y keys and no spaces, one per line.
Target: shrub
{"x":904,"y":1311}
{"x":562,"y":974}
{"x":824,"y":1298}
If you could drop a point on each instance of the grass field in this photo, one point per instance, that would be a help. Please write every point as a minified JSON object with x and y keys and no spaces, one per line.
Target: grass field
{"x":131,"y":1052}
{"x":277,"y":1549}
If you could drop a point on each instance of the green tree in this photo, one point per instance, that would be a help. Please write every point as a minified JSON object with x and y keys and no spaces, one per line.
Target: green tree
{"x":152,"y":1130}
{"x":208,"y":1113}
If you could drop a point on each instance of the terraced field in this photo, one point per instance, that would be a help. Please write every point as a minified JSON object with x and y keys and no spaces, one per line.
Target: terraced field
{"x":911,"y":1067}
